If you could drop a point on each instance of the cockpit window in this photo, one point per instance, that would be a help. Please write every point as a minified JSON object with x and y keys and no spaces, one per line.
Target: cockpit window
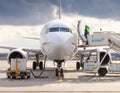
{"x":64,"y":29}
{"x":61,"y":29}
{"x":54,"y":29}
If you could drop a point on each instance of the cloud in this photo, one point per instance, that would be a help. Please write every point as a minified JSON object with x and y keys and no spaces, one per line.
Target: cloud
{"x":34,"y":12}
{"x":12,"y":36}
{"x":94,"y":23}
{"x":25,"y":12}
{"x":93,"y":8}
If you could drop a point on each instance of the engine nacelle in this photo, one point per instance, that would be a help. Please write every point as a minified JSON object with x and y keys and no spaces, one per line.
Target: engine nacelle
{"x":16,"y":53}
{"x":105,"y":57}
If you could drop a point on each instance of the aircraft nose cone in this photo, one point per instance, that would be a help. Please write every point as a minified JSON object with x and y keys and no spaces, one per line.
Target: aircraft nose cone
{"x":60,"y":38}
{"x":59,"y":51}
{"x":60,"y":46}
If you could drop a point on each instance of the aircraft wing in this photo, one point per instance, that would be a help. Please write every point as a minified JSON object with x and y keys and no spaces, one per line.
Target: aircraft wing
{"x":81,"y":52}
{"x":5,"y":47}
{"x":34,"y":38}
{"x":36,"y":51}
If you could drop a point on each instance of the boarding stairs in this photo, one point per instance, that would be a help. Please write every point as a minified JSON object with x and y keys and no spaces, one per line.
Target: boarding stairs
{"x":105,"y":38}
{"x":114,"y":41}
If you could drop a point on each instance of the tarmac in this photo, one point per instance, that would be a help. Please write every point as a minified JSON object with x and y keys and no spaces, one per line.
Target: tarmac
{"x":74,"y":81}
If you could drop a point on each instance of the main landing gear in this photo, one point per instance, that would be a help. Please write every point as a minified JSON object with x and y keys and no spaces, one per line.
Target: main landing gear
{"x":79,"y":65}
{"x":37,"y":63}
{"x":59,"y":70}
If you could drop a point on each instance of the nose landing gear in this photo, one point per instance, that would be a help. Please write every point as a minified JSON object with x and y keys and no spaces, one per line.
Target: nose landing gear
{"x":59,"y":73}
{"x":59,"y":70}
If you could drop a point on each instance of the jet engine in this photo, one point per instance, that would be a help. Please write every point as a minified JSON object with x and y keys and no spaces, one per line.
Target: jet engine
{"x":16,"y":53}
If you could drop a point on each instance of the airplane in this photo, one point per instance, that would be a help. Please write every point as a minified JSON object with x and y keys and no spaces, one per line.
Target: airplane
{"x":58,"y":42}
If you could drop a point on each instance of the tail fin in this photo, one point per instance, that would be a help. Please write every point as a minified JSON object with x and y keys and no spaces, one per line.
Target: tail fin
{"x":60,"y":9}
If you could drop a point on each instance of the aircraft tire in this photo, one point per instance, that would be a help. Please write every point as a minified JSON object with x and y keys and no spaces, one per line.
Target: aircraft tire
{"x":77,"y":65}
{"x":56,"y":72}
{"x":61,"y":71}
{"x":41,"y":65}
{"x":34,"y":65}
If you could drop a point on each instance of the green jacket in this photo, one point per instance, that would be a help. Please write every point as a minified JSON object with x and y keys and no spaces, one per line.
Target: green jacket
{"x":87,"y":29}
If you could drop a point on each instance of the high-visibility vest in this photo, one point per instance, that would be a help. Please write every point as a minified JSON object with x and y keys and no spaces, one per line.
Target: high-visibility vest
{"x":88,"y":29}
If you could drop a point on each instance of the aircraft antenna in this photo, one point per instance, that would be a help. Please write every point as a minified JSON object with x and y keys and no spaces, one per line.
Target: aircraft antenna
{"x":60,"y":9}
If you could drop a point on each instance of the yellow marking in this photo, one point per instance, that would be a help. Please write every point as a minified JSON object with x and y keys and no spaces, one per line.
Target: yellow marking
{"x":16,"y":70}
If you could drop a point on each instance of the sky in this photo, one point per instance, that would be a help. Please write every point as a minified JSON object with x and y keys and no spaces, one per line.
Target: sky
{"x":35,"y":12}
{"x":27,"y":17}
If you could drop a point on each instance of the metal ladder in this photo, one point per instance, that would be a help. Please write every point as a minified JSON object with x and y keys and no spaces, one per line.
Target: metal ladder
{"x":114,"y":41}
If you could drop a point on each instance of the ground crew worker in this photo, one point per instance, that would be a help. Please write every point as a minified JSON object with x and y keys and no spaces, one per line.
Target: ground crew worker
{"x":86,"y":32}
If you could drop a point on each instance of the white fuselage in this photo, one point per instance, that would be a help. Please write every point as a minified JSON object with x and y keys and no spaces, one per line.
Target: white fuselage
{"x":59,"y":40}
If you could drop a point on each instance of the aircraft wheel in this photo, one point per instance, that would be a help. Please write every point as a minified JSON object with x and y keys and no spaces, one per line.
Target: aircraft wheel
{"x":102,"y":72}
{"x":61,"y":71}
{"x":34,"y":65}
{"x":56,"y":72}
{"x":41,"y":65}
{"x":60,"y":75}
{"x":77,"y":65}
